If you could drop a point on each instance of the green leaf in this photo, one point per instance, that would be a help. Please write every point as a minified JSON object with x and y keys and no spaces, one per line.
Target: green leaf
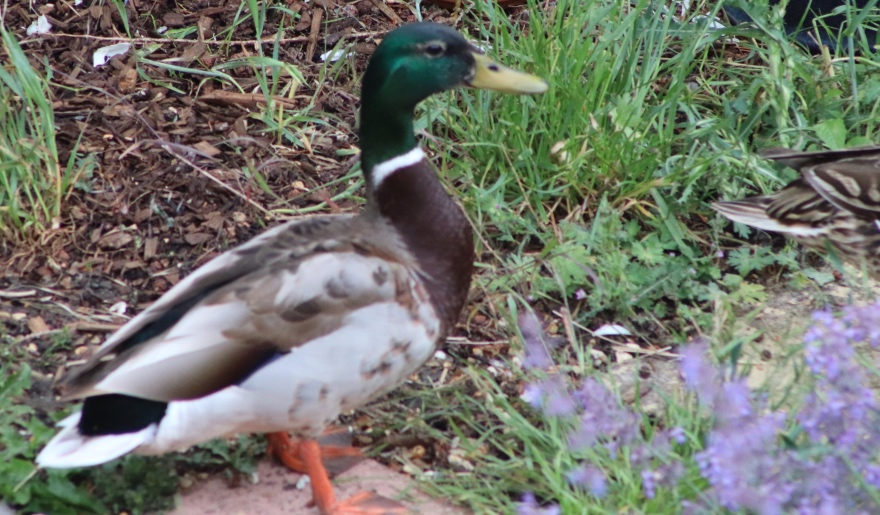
{"x":745,"y":261}
{"x":832,"y":132}
{"x":821,"y":278}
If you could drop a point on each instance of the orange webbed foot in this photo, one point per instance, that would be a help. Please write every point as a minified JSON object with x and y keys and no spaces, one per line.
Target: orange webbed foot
{"x":322,"y":491}
{"x":308,"y":457}
{"x":367,"y":503}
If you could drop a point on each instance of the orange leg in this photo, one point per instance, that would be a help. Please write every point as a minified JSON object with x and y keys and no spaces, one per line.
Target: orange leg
{"x":307,"y":456}
{"x":322,"y":490}
{"x":286,"y":450}
{"x":337,"y":458}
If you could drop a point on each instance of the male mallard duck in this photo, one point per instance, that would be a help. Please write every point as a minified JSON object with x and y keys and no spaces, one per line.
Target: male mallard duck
{"x":835,"y":204}
{"x":312,"y":318}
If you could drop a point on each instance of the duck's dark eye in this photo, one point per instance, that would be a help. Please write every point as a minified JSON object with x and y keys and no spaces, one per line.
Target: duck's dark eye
{"x":435,"y":49}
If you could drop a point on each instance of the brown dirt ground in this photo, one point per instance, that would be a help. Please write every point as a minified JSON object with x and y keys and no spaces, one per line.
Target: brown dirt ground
{"x":168,"y":192}
{"x":277,"y":493}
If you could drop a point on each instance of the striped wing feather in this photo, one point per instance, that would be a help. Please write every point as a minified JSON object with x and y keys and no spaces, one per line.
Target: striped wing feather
{"x":852,"y":184}
{"x":796,"y":209}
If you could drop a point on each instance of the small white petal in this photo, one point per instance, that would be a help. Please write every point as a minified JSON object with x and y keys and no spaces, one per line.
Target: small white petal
{"x":40,"y":26}
{"x":685,"y":6}
{"x":119,"y":308}
{"x":104,"y":54}
{"x":612,"y":330}
{"x":334,"y":55}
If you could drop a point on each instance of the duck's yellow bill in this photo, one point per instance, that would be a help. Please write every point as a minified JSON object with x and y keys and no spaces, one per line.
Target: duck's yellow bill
{"x":491,"y":75}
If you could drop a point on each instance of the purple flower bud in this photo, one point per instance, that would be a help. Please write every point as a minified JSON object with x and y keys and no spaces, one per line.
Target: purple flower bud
{"x":603,"y":418}
{"x":534,"y":395}
{"x":590,"y":478}
{"x":700,"y":376}
{"x":559,"y":400}
{"x":529,"y":506}
{"x":649,"y":484}
{"x":677,"y":435}
{"x":551,"y":396}
{"x":537,"y":355}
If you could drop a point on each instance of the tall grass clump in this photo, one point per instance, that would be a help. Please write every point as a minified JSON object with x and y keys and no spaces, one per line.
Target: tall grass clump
{"x":33,"y":183}
{"x":596,"y":194}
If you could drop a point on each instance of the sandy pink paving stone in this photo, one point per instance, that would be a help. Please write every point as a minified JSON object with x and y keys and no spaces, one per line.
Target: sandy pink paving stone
{"x":276,"y":493}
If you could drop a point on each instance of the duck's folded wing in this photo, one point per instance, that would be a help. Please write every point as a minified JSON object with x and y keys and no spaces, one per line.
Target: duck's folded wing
{"x":292,"y":237}
{"x":216,"y":327}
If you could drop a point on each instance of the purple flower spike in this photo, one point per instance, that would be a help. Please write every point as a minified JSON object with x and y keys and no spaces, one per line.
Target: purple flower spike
{"x":559,"y":400}
{"x":677,"y":435}
{"x":828,"y":464}
{"x":733,"y":402}
{"x":537,"y":355}
{"x":533,"y":393}
{"x":590,"y":478}
{"x":551,"y":396}
{"x":603,"y":418}
{"x":834,"y":459}
{"x":529,"y":506}
{"x":665,"y":475}
{"x":872,"y":475}
{"x":699,"y":375}
{"x":649,"y":483}
{"x":741,"y":465}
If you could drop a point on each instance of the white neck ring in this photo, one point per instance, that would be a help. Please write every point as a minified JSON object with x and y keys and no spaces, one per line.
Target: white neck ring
{"x":384,"y":169}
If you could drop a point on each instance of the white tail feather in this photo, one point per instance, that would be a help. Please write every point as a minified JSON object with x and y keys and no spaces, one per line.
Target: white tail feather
{"x":755,"y":215}
{"x":70,"y":420}
{"x":71,"y":449}
{"x":748,"y":213}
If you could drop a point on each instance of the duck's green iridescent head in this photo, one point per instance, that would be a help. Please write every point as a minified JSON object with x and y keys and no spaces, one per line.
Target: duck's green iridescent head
{"x":412,"y":63}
